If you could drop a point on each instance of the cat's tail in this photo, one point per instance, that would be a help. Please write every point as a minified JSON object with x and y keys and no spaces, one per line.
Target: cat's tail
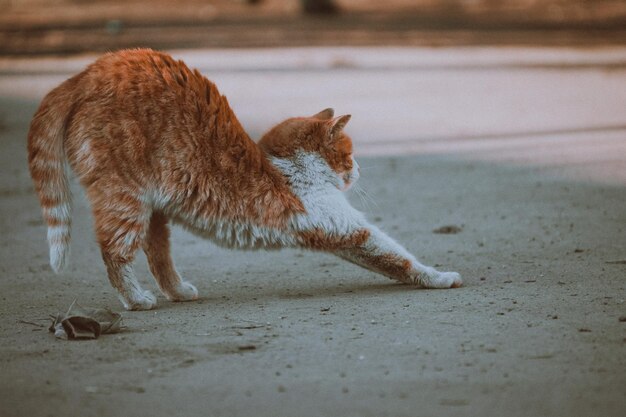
{"x":48,"y":168}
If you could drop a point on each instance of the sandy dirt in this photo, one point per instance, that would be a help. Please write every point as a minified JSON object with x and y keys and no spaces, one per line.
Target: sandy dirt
{"x":535,"y":186}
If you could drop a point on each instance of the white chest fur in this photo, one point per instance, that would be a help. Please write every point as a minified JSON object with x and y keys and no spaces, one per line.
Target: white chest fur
{"x":316,"y":185}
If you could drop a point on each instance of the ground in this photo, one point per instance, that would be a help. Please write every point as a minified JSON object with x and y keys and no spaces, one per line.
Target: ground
{"x":522,"y":149}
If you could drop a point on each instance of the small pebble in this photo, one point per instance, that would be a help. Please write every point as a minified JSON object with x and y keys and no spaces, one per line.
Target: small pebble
{"x":447,"y":230}
{"x":247,"y":347}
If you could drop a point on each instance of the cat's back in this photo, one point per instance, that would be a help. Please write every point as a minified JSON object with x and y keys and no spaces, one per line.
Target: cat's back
{"x":146,"y":74}
{"x":143,"y":116}
{"x":147,"y":96}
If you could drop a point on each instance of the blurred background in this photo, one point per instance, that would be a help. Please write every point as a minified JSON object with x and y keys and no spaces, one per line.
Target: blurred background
{"x":29,"y":27}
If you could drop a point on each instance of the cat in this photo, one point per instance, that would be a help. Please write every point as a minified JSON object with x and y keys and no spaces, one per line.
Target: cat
{"x":153,"y":141}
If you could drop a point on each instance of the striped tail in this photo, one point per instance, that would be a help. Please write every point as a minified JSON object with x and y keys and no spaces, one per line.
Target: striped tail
{"x":48,"y":168}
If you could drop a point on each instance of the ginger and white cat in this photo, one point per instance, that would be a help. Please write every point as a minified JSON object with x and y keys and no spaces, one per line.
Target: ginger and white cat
{"x":153,"y":141}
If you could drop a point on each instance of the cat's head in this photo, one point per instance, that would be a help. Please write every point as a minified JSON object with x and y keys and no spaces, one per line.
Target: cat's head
{"x":312,"y":141}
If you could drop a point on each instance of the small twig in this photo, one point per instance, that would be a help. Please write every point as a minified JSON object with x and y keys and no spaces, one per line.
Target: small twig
{"x":71,"y":306}
{"x":249,"y":327}
{"x":249,"y":321}
{"x":32,"y":323}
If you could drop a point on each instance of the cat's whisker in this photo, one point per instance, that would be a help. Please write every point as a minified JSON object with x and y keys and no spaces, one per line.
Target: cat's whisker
{"x":367,"y":197}
{"x":364,"y":203}
{"x":368,"y":166}
{"x":362,"y":196}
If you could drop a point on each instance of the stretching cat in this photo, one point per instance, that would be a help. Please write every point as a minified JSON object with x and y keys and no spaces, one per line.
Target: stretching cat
{"x":153,"y":141}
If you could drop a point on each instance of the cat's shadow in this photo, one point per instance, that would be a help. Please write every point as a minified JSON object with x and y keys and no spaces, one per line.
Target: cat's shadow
{"x":323,"y":291}
{"x":313,"y":292}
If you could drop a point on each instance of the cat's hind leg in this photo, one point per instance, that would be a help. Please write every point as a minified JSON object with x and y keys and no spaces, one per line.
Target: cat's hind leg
{"x":157,"y":248}
{"x":123,"y":279}
{"x":121,"y":223}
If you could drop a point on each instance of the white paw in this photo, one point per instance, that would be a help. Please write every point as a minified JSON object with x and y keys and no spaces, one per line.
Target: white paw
{"x":438,"y":279}
{"x":143,"y":300}
{"x":184,"y":292}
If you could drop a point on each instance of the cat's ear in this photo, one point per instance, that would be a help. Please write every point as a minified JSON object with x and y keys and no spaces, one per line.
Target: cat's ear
{"x":324,"y":114}
{"x":337,"y":124}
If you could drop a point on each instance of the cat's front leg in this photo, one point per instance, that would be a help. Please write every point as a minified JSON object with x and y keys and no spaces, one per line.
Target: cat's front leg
{"x":370,"y":248}
{"x":382,"y":254}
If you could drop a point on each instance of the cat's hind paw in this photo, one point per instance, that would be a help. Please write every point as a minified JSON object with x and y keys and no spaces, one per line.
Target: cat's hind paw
{"x":183,"y":292}
{"x":442,"y":280}
{"x":143,"y":300}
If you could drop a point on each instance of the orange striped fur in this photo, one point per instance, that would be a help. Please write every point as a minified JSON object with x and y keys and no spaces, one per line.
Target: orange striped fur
{"x":152,"y":141}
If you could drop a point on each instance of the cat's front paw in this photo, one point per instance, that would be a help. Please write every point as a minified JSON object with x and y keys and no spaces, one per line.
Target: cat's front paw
{"x":183,"y":292}
{"x":438,"y":279}
{"x":143,"y":300}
